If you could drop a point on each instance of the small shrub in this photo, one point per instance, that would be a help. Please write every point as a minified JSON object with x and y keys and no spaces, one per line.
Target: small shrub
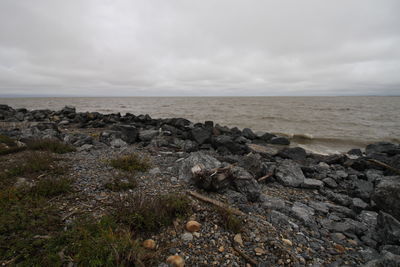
{"x":143,"y":214}
{"x":9,"y":146}
{"x":7,"y":141}
{"x":131,"y":163}
{"x":121,"y":183}
{"x":51,"y":187}
{"x":50,"y":145}
{"x":230,"y":221}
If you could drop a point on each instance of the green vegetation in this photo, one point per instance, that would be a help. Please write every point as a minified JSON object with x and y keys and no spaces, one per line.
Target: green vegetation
{"x":121,"y":183}
{"x":9,"y":146}
{"x":230,"y":221}
{"x":149,"y":215}
{"x":131,"y":163}
{"x":50,"y":145}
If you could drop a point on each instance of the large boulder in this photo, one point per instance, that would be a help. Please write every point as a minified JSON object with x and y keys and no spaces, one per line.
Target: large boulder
{"x":226,"y":142}
{"x":147,"y":135}
{"x":245,"y":183}
{"x":387,"y":195}
{"x":196,"y":158}
{"x":129,"y":133}
{"x":295,"y":153}
{"x":249,"y":134}
{"x":387,"y":259}
{"x":289,"y":173}
{"x":388,"y":229}
{"x":201,"y":135}
{"x":382,"y":147}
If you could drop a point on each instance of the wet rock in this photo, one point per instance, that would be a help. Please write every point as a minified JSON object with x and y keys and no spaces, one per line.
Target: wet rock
{"x":266,"y":136}
{"x":279,"y":140}
{"x":330,"y":182}
{"x":381,"y":147}
{"x":295,"y":153}
{"x":68,"y":110}
{"x":388,"y":229}
{"x":312,"y":183}
{"x":201,"y":135}
{"x":147,"y":135}
{"x":355,"y":152}
{"x":253,"y":164}
{"x":195,"y":158}
{"x":227,"y":142}
{"x":387,"y":195}
{"x":289,"y":173}
{"x":249,"y":134}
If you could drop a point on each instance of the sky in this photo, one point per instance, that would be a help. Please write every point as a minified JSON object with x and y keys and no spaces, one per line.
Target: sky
{"x":199,"y":48}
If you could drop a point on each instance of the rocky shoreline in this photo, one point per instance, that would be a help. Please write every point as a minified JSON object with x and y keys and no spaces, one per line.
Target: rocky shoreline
{"x":299,"y":208}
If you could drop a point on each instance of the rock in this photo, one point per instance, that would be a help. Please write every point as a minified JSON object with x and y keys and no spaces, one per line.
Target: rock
{"x":289,"y":173}
{"x":238,"y":240}
{"x":201,"y":135}
{"x":381,"y":147}
{"x":319,"y":206}
{"x":295,"y":153}
{"x":363,"y":189}
{"x":118,"y":143}
{"x":263,"y":150}
{"x":259,"y":251}
{"x":226,"y":142}
{"x":312,"y":183}
{"x":391,"y":249}
{"x":388,"y":229}
{"x":287,"y":242}
{"x":387,"y":259}
{"x":272,"y":203}
{"x":387,"y":195}
{"x":147,"y":135}
{"x":245,"y":183}
{"x":369,"y":218}
{"x":330,"y":182}
{"x":200,"y":157}
{"x":279,"y":140}
{"x":221,"y":249}
{"x":358,"y":205}
{"x":249,"y":134}
{"x":68,"y":110}
{"x":129,"y":133}
{"x":341,"y":199}
{"x":176,"y":261}
{"x":155,"y":171}
{"x":85,"y":147}
{"x":303,"y":213}
{"x":355,"y":152}
{"x":149,"y":244}
{"x":266,"y":136}
{"x":187,"y":236}
{"x":253,"y":164}
{"x":193,"y":226}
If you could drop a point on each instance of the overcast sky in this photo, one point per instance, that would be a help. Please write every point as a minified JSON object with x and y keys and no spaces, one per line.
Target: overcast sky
{"x":204,"y":47}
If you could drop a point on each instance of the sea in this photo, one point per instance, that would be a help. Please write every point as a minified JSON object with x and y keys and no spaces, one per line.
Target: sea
{"x":319,"y":124}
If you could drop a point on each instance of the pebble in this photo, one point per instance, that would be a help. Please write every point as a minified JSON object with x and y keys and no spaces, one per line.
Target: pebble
{"x":259,"y":251}
{"x":176,"y":261}
{"x":238,"y":239}
{"x":221,"y":249}
{"x":287,"y":242}
{"x":193,"y":226}
{"x":187,"y":236}
{"x":149,"y":244}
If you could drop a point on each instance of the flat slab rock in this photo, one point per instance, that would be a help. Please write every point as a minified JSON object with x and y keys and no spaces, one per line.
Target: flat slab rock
{"x":290,"y":174}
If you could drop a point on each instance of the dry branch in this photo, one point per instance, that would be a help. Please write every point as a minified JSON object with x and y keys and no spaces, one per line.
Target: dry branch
{"x":216,"y":203}
{"x":384,"y":165}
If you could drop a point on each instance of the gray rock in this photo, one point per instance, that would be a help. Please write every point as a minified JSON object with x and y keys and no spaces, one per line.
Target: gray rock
{"x":289,"y":173}
{"x":187,"y":236}
{"x":330,"y":182}
{"x":201,"y":135}
{"x":272,"y":203}
{"x":279,"y":140}
{"x":388,"y":229}
{"x":303,"y":213}
{"x":312,"y":183}
{"x":391,"y":248}
{"x":253,"y":164}
{"x":387,"y":259}
{"x":319,"y":206}
{"x":381,"y":147}
{"x":278,"y":219}
{"x":369,"y":218}
{"x":373,"y":175}
{"x":363,"y":188}
{"x":295,"y":153}
{"x":186,"y":145}
{"x":249,"y":134}
{"x":129,"y":133}
{"x":387,"y":195}
{"x":341,"y":199}
{"x":358,"y":205}
{"x":245,"y":183}
{"x":118,"y":143}
{"x":85,"y":147}
{"x":200,"y":157}
{"x":147,"y":135}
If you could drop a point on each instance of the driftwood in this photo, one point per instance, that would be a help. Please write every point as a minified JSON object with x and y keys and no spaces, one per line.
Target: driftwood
{"x":265,"y":177}
{"x":245,"y":256}
{"x":384,"y":165}
{"x":216,"y":203}
{"x":212,"y":179}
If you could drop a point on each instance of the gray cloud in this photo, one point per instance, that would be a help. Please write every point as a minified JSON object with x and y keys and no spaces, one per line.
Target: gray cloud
{"x":225,"y":47}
